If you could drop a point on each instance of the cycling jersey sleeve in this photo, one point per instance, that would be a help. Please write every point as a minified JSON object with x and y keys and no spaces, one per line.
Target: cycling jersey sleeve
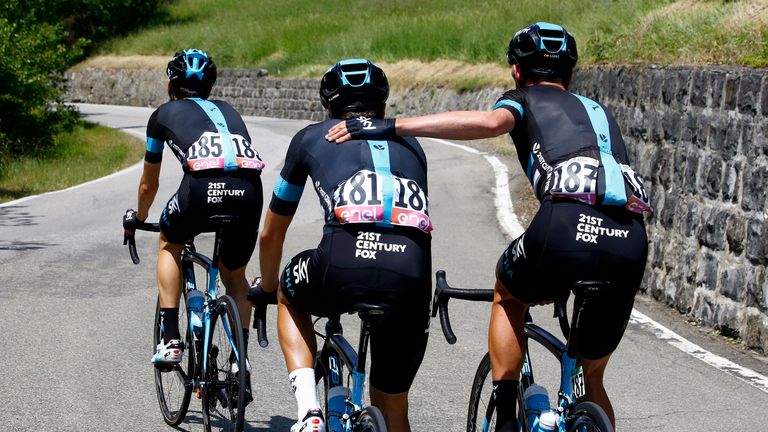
{"x":290,"y":185}
{"x":513,"y":102}
{"x":155,"y":140}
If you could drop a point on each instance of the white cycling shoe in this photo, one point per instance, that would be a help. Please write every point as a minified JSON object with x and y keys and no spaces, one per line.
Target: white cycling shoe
{"x":312,"y":422}
{"x":168,"y":355}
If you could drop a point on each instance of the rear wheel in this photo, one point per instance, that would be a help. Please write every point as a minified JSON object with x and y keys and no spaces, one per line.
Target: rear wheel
{"x":174,"y":386}
{"x":224,"y":391}
{"x":588,"y":417}
{"x":370,"y":420}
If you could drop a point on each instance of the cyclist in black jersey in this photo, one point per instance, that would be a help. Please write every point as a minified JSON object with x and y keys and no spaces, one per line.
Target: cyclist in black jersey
{"x":590,"y":222}
{"x":222,"y":176}
{"x":375,"y":246}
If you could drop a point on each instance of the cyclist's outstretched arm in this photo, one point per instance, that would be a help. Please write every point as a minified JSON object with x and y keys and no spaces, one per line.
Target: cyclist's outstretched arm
{"x":461,"y":125}
{"x":271,"y":248}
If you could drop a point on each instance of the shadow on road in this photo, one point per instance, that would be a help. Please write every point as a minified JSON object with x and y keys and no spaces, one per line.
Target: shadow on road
{"x":24,"y":245}
{"x":194,"y":420}
{"x":16,"y":216}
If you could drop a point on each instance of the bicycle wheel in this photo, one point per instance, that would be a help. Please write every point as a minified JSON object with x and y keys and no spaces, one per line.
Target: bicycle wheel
{"x":223,"y":395}
{"x":370,"y":420}
{"x":174,"y":387}
{"x":588,"y":417}
{"x":481,"y":416}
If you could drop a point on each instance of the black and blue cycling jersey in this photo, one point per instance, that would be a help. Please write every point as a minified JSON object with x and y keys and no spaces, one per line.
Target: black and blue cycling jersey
{"x":571,"y":147}
{"x":369,"y":182}
{"x":203,"y":134}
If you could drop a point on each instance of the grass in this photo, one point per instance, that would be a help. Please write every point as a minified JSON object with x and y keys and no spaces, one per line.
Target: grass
{"x":302,"y":37}
{"x":88,"y":152}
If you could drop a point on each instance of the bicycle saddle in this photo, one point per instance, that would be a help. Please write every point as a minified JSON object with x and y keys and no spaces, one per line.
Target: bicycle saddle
{"x":369,"y":311}
{"x":589,"y":286}
{"x":222,"y":220}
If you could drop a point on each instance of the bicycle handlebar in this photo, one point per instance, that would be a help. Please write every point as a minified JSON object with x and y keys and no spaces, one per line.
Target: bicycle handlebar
{"x":260,"y":300}
{"x":444,"y":292}
{"x":131,"y":240}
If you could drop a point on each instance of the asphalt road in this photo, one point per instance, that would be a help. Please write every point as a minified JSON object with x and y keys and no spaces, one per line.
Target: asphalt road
{"x":78,"y":314}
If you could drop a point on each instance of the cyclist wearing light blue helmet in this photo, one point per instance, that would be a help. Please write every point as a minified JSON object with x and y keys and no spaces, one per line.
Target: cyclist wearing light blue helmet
{"x":589,"y":225}
{"x":375,"y":248}
{"x":222,"y":176}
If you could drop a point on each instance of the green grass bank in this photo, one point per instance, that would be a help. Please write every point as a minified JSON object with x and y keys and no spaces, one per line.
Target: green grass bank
{"x":86,"y":153}
{"x":301,"y":37}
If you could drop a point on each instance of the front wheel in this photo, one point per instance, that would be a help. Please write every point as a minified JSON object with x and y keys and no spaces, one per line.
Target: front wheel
{"x":588,"y":417}
{"x":481,"y":416}
{"x":224,"y":391}
{"x":370,"y":420}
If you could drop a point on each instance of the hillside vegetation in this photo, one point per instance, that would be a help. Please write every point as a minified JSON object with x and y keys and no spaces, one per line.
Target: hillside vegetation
{"x":303,"y":37}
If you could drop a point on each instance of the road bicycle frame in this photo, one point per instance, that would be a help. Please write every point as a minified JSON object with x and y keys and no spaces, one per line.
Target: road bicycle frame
{"x":189,"y":257}
{"x":335,"y":343}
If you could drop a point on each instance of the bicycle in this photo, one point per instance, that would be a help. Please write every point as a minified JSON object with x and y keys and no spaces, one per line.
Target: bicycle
{"x":345,"y":410}
{"x":572,"y":416}
{"x":216,"y":329}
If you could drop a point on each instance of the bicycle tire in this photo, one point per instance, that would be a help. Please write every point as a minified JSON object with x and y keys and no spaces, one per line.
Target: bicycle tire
{"x":370,"y":419}
{"x":223,"y":395}
{"x":174,"y":387}
{"x":588,"y":417}
{"x":481,"y":414}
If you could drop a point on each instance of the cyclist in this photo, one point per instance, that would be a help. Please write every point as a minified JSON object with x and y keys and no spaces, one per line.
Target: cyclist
{"x":376,"y":245}
{"x":222,"y":176}
{"x":589,"y":224}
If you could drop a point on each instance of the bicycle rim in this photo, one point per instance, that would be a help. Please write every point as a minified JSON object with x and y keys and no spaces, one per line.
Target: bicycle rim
{"x":370,"y":420}
{"x":587,"y":417}
{"x":174,"y":387}
{"x":481,"y":415}
{"x":223,"y":396}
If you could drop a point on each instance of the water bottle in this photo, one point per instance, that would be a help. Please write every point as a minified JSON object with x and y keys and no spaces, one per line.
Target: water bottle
{"x":536,"y":402}
{"x":337,"y":407}
{"x":547,"y":421}
{"x":195,"y":306}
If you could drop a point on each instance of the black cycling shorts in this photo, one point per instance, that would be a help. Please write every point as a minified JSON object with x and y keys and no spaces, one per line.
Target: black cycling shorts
{"x":568,"y":241}
{"x":199,"y":197}
{"x":369,"y":264}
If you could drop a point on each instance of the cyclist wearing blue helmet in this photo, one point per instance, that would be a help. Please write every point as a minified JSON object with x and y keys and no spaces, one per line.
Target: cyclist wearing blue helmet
{"x":589,"y":225}
{"x":222,"y":176}
{"x":376,"y":245}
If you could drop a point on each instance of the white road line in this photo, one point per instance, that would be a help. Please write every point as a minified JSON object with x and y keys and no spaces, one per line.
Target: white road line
{"x":745,"y":374}
{"x":505,"y":211}
{"x":511,"y":227}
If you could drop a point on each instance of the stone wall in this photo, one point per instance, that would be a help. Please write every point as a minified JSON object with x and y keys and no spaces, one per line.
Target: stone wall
{"x":697,"y":135}
{"x":699,"y":138}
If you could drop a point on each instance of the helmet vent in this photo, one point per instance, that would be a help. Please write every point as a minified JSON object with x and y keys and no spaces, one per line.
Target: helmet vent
{"x":552,"y":40}
{"x":355,"y":74}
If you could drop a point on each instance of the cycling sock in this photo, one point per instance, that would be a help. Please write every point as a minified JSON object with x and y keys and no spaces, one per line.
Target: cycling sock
{"x":303,"y":383}
{"x":246,"y":334}
{"x":505,"y":396}
{"x":169,"y":323}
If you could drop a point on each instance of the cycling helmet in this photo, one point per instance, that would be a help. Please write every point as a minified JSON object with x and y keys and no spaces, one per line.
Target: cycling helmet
{"x":191,"y":68}
{"x":353,"y":84}
{"x":544,"y":50}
